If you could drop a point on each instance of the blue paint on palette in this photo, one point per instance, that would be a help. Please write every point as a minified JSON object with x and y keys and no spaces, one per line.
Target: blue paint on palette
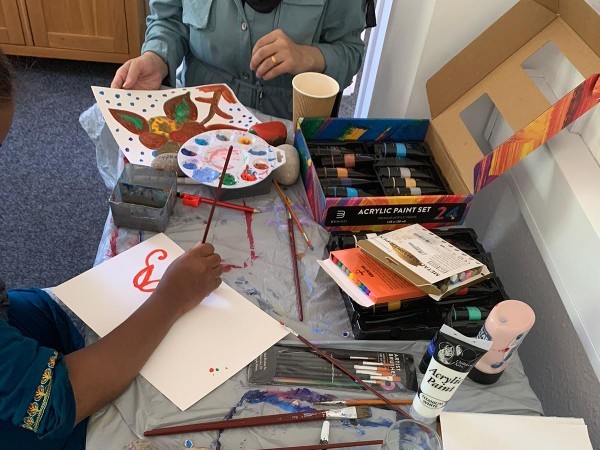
{"x":222,"y":137}
{"x":385,"y":423}
{"x":190,"y":165}
{"x":187,"y":152}
{"x":200,"y":141}
{"x":257,"y":152}
{"x":205,"y":175}
{"x":289,"y":400}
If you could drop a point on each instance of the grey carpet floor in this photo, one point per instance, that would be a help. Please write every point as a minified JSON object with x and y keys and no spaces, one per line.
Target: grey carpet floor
{"x":53,"y":202}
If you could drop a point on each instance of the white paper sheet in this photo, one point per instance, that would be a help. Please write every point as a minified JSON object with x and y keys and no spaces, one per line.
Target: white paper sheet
{"x":202,"y":350}
{"x":470,"y":431}
{"x":147,"y":128}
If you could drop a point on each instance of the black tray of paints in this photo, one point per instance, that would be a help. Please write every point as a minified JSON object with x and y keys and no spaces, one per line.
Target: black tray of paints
{"x":421,"y":317}
{"x":375,"y":169}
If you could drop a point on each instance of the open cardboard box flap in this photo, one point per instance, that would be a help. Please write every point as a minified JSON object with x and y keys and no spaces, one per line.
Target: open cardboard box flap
{"x":491,"y":65}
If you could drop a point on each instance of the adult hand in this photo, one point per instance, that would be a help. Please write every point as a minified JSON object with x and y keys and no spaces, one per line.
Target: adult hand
{"x":145,"y":72}
{"x":275,"y":54}
{"x":190,"y":278}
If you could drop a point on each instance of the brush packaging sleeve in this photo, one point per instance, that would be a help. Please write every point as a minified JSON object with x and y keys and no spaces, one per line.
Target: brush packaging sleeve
{"x":287,"y":365}
{"x":428,"y":261}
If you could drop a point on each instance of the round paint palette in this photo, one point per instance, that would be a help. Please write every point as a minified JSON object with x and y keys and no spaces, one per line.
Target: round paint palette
{"x":202,"y":158}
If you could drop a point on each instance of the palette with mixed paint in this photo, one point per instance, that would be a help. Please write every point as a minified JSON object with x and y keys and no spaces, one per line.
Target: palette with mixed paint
{"x":252,"y":159}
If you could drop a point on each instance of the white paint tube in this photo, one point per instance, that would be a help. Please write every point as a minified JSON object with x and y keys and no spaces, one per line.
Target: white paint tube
{"x":453,"y":358}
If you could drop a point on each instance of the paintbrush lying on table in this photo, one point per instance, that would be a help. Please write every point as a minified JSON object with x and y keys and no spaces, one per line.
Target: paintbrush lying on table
{"x":354,"y":412}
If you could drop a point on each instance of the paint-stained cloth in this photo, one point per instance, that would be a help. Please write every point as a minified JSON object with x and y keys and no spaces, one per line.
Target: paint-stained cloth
{"x":215,"y":40}
{"x":37,"y":407}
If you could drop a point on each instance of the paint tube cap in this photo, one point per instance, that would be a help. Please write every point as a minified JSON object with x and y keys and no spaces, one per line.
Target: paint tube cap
{"x":484,"y":378}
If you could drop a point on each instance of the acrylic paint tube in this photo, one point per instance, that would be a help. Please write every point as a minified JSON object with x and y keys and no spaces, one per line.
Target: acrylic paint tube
{"x":403,"y":162}
{"x":400,"y":150}
{"x":328,"y":151}
{"x":395,"y":182}
{"x":507,"y":325}
{"x":413,"y":191}
{"x":404,"y":172}
{"x":454,"y":356}
{"x":348,"y":161}
{"x":342,"y":172}
{"x":335,"y":191}
{"x":351,"y":182}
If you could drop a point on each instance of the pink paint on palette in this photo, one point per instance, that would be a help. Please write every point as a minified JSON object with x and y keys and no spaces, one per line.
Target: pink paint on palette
{"x":217,"y":158}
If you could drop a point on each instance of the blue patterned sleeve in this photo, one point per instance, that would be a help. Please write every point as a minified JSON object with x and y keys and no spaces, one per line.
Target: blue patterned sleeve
{"x":35,"y":391}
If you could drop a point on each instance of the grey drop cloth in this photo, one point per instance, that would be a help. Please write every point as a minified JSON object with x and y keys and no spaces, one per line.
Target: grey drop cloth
{"x":255,"y":250}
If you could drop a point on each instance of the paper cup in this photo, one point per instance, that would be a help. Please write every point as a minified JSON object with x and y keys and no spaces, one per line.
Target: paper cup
{"x":314,"y":95}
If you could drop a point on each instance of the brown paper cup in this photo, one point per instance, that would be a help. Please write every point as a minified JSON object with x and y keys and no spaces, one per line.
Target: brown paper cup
{"x":314,"y":95}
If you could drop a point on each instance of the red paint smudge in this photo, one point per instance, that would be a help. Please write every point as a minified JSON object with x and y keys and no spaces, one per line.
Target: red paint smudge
{"x":228,"y":267}
{"x":113,"y":242}
{"x":248,"y":215}
{"x":211,"y":370}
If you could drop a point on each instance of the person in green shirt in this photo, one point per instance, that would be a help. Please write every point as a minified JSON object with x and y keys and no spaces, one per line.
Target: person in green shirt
{"x":254,"y":46}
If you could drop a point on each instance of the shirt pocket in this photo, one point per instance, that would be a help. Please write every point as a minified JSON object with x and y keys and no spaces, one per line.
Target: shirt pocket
{"x":301,"y":19}
{"x":197,"y":14}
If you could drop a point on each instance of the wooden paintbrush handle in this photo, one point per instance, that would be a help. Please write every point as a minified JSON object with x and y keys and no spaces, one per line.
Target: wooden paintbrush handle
{"x":274,"y":419}
{"x":407,"y":401}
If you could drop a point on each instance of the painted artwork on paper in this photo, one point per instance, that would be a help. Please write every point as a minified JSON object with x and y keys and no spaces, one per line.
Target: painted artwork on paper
{"x":252,"y":159}
{"x":105,"y":296}
{"x":146,"y":124}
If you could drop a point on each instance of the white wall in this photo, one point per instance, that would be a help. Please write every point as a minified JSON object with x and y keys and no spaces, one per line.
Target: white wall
{"x":522,"y":243}
{"x":422,"y":36}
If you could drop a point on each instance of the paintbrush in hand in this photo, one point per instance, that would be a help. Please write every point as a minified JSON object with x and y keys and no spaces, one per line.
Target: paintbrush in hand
{"x":353,"y":412}
{"x":217,"y":193}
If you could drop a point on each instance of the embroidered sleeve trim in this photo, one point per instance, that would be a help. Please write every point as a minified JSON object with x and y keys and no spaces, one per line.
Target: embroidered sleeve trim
{"x":36,"y":409}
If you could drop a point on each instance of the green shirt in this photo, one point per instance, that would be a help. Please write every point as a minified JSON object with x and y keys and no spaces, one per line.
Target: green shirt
{"x":215,"y":39}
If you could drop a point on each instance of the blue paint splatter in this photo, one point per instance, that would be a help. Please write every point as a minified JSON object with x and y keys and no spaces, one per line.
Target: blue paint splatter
{"x":320,"y":331}
{"x":129,"y":94}
{"x":190,"y":165}
{"x":367,"y":423}
{"x":107,"y":101}
{"x":222,"y":137}
{"x":101,"y":92}
{"x":149,"y":95}
{"x":200,"y":141}
{"x":118,"y":104}
{"x":126,"y":149}
{"x":144,"y":110}
{"x":257,"y":152}
{"x":205,"y":175}
{"x":132,"y":104}
{"x":346,"y":333}
{"x":152,"y":106}
{"x":117,"y":95}
{"x":131,"y":139}
{"x":187,"y":152}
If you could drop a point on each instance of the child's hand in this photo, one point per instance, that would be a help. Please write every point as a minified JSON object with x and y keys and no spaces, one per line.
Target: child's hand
{"x":190,"y":278}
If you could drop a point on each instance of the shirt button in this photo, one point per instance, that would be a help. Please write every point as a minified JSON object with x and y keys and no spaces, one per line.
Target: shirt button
{"x":245,"y":75}
{"x":244,"y":26}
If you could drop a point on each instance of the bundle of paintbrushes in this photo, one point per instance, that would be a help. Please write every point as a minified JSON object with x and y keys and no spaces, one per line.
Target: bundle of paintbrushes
{"x":421,"y":317}
{"x":285,"y":365}
{"x":366,"y":169}
{"x":351,"y":412}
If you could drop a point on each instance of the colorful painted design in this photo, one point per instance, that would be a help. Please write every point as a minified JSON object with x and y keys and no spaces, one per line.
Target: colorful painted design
{"x":202,"y":158}
{"x":568,"y":109}
{"x":36,"y":409}
{"x":186,"y":112}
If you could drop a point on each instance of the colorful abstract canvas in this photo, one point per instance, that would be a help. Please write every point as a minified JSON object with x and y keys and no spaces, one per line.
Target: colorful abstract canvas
{"x":204,"y":348}
{"x":146,"y":124}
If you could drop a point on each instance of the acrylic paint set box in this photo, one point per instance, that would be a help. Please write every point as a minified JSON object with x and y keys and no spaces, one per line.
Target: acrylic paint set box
{"x":484,"y":121}
{"x":421,"y":317}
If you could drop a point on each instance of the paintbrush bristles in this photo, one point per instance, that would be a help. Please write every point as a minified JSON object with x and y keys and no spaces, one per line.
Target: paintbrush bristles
{"x":363,"y":412}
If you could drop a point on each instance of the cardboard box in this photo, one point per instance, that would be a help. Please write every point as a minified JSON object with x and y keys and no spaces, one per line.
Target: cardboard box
{"x":492,"y":68}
